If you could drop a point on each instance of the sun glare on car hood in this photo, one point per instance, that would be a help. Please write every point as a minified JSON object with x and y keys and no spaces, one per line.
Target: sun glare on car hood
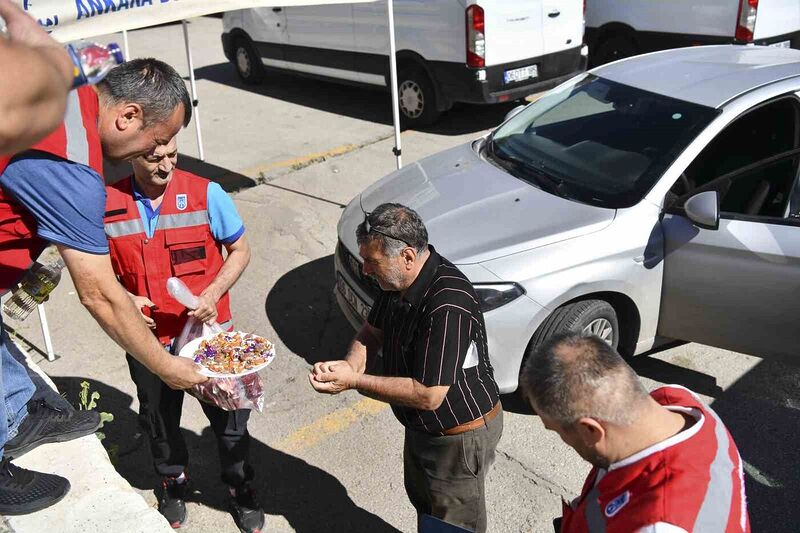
{"x":474,"y":211}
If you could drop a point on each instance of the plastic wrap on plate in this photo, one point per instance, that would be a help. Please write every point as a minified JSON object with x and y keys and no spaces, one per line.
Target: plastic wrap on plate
{"x":242,"y":392}
{"x":228,"y":393}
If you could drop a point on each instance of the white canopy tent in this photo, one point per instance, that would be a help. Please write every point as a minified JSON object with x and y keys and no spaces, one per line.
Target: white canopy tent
{"x":72,"y":20}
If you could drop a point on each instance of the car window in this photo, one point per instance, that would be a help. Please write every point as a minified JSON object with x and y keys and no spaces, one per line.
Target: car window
{"x":764,"y":190}
{"x":597,"y":141}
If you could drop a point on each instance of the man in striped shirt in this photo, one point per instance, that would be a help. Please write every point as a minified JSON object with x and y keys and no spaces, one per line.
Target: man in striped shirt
{"x":663,"y":462}
{"x":423,"y":350}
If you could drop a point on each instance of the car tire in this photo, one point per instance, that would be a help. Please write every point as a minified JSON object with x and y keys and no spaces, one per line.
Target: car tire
{"x":612,"y":48}
{"x":247,"y":62}
{"x":590,"y":316}
{"x":417,"y":98}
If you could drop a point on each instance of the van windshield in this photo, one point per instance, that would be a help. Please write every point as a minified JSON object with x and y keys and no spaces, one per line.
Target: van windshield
{"x":597,"y":141}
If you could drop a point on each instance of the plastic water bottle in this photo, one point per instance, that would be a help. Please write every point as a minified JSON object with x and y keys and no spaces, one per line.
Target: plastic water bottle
{"x":93,"y":61}
{"x":38,"y":282}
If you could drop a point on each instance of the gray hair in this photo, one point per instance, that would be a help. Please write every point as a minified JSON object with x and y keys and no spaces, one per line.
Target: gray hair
{"x":573,"y":375}
{"x":396,"y":227}
{"x":152,"y":84}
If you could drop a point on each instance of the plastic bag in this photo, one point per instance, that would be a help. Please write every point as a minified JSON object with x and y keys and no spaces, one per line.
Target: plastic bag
{"x":229,"y":394}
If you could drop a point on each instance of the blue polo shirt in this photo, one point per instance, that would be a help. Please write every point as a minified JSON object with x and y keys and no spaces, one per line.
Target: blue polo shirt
{"x":226,"y":224}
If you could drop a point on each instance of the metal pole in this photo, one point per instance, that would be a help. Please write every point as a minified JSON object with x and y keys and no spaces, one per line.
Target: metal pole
{"x":195,"y":102}
{"x":48,"y":344}
{"x":393,"y":79}
{"x":125,"y":45}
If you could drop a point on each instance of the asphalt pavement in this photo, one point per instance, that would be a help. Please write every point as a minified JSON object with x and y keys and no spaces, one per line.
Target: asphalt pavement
{"x":293,"y":152}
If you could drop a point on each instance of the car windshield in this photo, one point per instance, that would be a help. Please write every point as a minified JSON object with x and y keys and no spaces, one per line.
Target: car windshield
{"x":597,"y":141}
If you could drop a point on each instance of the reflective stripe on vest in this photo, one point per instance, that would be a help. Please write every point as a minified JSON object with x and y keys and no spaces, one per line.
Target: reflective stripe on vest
{"x":594,"y":515}
{"x":181,"y":220}
{"x":717,"y":501}
{"x":77,"y":149}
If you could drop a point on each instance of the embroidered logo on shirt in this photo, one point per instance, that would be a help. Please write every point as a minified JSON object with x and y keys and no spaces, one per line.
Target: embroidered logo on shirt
{"x":181,"y":202}
{"x":618,"y":503}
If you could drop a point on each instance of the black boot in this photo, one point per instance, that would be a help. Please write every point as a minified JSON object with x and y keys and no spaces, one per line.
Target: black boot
{"x":46,"y":423}
{"x":25,"y":491}
{"x":246,"y":511}
{"x":172,"y":504}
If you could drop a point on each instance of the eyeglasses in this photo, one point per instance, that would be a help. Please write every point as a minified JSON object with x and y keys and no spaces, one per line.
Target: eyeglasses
{"x":369,"y":228}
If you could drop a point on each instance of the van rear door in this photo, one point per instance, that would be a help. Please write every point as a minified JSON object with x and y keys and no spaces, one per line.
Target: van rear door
{"x":776,"y":18}
{"x":522,"y":29}
{"x":562,"y":25}
{"x":513,"y":30}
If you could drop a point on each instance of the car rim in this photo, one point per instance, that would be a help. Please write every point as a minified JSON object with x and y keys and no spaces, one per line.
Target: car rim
{"x":602,"y":328}
{"x":242,"y":61}
{"x":412,"y":102}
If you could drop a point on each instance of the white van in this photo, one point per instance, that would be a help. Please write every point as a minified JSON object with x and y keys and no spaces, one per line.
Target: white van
{"x":483,"y":51}
{"x":623,"y":28}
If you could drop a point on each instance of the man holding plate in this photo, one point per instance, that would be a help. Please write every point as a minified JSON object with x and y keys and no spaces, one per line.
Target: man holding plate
{"x":163,"y":222}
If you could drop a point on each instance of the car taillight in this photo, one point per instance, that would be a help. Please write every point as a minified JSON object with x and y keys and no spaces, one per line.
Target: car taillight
{"x":746,"y":25}
{"x":476,"y":40}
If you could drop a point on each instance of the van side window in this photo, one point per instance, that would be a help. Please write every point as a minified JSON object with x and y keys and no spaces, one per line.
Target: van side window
{"x":764,"y":190}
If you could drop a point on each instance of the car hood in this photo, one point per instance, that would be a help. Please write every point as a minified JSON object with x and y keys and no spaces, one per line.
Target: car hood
{"x":473,"y":210}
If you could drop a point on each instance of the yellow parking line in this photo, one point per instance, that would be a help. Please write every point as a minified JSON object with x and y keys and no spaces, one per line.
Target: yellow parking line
{"x":311,"y":434}
{"x":298,"y":161}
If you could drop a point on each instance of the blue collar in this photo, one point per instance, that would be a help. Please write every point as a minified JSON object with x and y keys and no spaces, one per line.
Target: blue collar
{"x":145,"y":201}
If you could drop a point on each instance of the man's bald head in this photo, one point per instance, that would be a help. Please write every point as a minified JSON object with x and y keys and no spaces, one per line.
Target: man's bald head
{"x":574,"y":376}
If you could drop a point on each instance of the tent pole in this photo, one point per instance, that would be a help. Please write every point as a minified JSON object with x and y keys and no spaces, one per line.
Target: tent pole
{"x":125,"y":45}
{"x":195,"y":101}
{"x":393,"y":80}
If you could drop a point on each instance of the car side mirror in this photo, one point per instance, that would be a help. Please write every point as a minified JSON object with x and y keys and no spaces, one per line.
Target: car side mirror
{"x":514,"y":112}
{"x":703,"y":209}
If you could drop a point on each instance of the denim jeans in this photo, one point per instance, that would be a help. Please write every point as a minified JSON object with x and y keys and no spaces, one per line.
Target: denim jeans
{"x":16,"y":388}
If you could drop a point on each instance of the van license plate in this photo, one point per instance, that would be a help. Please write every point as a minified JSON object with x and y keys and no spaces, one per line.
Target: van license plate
{"x":358,"y":305}
{"x":520,"y":74}
{"x":782,"y":44}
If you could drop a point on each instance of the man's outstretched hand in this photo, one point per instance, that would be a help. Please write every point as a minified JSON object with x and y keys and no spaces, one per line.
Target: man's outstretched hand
{"x":333,"y":377}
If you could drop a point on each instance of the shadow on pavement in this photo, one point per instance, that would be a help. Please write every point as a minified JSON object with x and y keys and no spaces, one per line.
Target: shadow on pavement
{"x":229,"y":180}
{"x":363,"y":103}
{"x":286,"y":485}
{"x":303,"y":311}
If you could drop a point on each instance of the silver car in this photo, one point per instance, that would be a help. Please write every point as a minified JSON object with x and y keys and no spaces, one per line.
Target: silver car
{"x":650,"y":199}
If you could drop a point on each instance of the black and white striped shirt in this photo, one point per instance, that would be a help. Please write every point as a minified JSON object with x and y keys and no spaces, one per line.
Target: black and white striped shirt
{"x":435,"y":334}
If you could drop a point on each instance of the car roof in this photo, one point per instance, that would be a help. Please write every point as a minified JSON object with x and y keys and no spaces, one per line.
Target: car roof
{"x":706,"y":75}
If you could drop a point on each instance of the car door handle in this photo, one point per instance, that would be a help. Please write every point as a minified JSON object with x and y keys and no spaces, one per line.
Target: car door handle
{"x":554,"y":13}
{"x":277,"y":9}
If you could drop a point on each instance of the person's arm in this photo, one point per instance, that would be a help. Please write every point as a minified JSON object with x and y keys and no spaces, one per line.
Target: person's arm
{"x":37,"y":76}
{"x":237,"y":260}
{"x":409,"y":392}
{"x":110,"y":305}
{"x":333,"y":377}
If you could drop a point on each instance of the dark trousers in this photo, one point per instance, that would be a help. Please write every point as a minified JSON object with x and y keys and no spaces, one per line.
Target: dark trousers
{"x":445,"y":476}
{"x":160,"y":417}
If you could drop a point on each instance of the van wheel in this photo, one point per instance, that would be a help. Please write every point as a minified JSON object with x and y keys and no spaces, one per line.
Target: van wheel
{"x":417,"y":98}
{"x":592,"y":317}
{"x":248,"y":63}
{"x":614,"y":47}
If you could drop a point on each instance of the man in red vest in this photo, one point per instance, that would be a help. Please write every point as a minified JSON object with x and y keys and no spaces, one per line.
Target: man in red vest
{"x":663,"y":462}
{"x":54,"y":193}
{"x":164,"y":222}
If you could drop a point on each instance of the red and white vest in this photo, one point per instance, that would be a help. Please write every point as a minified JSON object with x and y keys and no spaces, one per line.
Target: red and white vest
{"x":693,"y":480}
{"x":181,"y":246}
{"x":77,"y":140}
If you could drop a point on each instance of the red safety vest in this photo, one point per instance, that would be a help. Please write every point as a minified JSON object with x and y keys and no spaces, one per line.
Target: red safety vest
{"x":693,"y":480}
{"x":181,"y":246}
{"x":77,"y":140}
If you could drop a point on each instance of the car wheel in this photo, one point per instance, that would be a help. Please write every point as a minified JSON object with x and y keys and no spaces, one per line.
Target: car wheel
{"x":248,"y":63}
{"x":613,"y":48}
{"x":595,"y":317}
{"x":417,"y":98}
